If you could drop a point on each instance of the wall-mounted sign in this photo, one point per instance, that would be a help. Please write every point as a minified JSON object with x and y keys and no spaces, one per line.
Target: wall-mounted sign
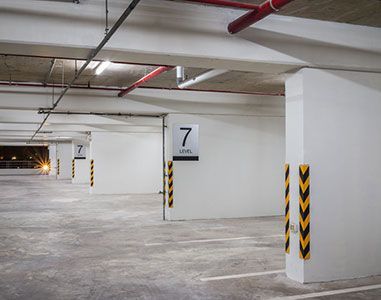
{"x":185,"y":142}
{"x":79,"y":151}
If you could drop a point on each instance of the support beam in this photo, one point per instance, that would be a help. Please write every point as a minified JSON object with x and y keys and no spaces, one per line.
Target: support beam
{"x":142,"y":101}
{"x":116,"y":89}
{"x":19,"y":110}
{"x":275,"y":45}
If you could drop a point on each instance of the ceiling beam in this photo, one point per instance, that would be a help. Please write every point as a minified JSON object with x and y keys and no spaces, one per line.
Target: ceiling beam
{"x":277,"y":44}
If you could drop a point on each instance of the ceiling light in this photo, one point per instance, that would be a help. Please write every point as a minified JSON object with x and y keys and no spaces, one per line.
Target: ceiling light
{"x":101,"y":67}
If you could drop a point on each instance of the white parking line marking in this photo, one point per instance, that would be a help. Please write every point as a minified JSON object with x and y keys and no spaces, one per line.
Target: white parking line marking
{"x":242,"y":275}
{"x":330,"y":293}
{"x":215,"y":240}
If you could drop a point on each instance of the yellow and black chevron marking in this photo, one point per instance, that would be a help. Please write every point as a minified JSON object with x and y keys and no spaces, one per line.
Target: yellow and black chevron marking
{"x":92,"y":173}
{"x":304,"y":212}
{"x":58,"y":166}
{"x":170,"y":184}
{"x":287,"y":210}
{"x":72,"y":168}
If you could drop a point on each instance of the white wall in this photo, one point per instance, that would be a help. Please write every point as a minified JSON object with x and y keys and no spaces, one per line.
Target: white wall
{"x":53,"y":159}
{"x":126,"y":162}
{"x":333,"y":124}
{"x":82,"y":166}
{"x":64,"y":155}
{"x":240,"y":171}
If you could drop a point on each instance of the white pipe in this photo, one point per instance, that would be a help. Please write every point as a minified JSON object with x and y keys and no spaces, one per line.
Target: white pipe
{"x":180,"y":74}
{"x":202,"y":77}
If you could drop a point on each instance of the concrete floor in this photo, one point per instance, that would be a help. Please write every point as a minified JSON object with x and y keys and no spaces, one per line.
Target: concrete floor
{"x":58,"y":242}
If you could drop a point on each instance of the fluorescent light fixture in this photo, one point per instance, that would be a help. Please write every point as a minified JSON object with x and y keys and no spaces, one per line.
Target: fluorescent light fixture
{"x":101,"y":67}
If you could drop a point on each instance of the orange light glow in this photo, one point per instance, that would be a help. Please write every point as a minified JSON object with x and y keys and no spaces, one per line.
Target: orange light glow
{"x":44,"y":168}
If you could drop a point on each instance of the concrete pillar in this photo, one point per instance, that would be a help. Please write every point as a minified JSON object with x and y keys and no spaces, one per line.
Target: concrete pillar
{"x":53,"y":159}
{"x":81,"y":162}
{"x":240,"y":168}
{"x":126,"y":163}
{"x":64,"y":154}
{"x":333,"y":124}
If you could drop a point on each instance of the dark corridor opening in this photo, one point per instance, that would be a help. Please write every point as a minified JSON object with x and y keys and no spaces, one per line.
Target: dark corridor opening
{"x":23,"y":157}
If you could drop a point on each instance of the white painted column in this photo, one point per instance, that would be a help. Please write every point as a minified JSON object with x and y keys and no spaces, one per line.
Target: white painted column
{"x":53,"y":159}
{"x":126,"y":163}
{"x":333,"y":124}
{"x":64,"y":156}
{"x":240,"y":167}
{"x":81,"y":164}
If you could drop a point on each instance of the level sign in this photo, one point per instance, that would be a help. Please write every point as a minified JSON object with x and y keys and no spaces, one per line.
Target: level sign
{"x":185,"y":142}
{"x":79,"y":151}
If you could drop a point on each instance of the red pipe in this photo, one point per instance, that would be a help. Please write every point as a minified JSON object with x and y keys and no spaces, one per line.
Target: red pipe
{"x":254,"y":16}
{"x":144,"y":79}
{"x":227,"y":3}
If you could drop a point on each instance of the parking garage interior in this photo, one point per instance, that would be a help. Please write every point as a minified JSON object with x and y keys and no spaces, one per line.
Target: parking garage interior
{"x":161,"y":149}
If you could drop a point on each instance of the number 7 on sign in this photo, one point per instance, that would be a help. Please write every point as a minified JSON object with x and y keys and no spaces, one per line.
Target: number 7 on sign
{"x":188,"y":129}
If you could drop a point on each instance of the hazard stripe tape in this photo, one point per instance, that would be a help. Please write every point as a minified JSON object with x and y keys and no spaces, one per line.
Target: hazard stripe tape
{"x":92,"y":173}
{"x":73,"y":168}
{"x":304,"y":212}
{"x":170,"y":184}
{"x":287,"y":209}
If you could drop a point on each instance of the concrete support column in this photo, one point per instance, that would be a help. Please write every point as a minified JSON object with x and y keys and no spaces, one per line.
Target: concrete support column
{"x":53,"y":159}
{"x":81,"y":163}
{"x":333,"y":124}
{"x":64,"y":154}
{"x":126,"y":163}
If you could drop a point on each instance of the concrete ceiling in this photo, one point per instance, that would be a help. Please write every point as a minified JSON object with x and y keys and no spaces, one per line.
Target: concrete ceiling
{"x":358,"y":12}
{"x":32,"y":69}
